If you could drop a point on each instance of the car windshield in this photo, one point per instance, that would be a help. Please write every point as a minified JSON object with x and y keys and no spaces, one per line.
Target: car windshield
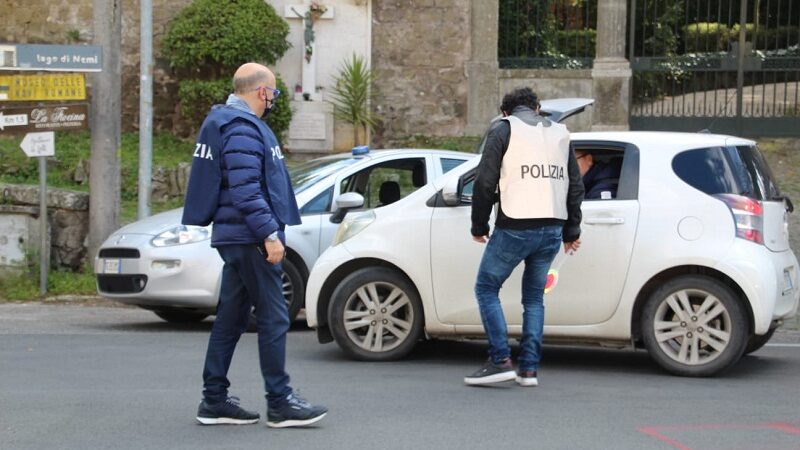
{"x":309,"y":173}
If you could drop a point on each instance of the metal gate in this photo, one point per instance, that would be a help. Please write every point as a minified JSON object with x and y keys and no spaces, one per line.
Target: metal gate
{"x":728,"y":66}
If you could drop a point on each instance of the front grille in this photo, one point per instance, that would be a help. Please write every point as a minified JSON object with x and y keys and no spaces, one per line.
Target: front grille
{"x":130,"y":253}
{"x":121,"y":284}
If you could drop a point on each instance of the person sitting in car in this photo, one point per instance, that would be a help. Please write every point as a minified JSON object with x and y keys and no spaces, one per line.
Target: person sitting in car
{"x":600,"y":179}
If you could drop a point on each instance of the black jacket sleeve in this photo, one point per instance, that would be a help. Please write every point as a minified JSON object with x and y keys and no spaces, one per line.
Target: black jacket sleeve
{"x":485,"y":195}
{"x":572,"y":227}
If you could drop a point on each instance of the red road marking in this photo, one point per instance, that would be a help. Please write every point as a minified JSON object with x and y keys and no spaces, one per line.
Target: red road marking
{"x":657,"y":431}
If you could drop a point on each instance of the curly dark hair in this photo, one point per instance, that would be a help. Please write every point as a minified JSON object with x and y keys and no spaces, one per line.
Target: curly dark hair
{"x":519,"y":97}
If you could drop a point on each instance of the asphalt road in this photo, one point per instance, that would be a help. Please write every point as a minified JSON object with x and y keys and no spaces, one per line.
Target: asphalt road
{"x":78,"y":377}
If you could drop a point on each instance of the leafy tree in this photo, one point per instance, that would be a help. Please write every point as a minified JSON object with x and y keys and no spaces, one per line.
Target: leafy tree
{"x":207,"y":41}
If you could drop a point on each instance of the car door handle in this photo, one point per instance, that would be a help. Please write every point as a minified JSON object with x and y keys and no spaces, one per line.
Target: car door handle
{"x":604,"y":221}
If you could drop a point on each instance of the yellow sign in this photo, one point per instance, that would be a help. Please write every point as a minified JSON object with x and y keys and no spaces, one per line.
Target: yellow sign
{"x":29,"y":88}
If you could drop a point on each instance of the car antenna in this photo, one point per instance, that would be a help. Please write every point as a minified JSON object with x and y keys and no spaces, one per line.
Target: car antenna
{"x":707,"y":130}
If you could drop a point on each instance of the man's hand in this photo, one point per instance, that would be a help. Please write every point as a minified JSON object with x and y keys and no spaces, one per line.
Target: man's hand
{"x":275,"y":251}
{"x":572,"y":247}
{"x":480,"y":239}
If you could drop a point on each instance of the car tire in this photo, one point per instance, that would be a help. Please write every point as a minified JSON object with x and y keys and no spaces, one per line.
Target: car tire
{"x":756,"y":342}
{"x":294,"y":289}
{"x":694,"y":326}
{"x":177,"y":315}
{"x":376,"y":315}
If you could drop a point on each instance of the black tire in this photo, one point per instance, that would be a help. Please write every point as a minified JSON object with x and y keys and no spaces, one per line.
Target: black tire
{"x":398,"y":330}
{"x":178,"y":315}
{"x":756,"y":342}
{"x":703,"y":339}
{"x":294,"y":289}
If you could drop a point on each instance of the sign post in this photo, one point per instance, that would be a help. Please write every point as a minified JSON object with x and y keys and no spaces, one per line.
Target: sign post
{"x":41,"y":145}
{"x":41,"y":121}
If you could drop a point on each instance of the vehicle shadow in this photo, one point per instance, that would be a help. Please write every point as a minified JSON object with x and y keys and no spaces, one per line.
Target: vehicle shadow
{"x":204,"y":326}
{"x":571,"y":358}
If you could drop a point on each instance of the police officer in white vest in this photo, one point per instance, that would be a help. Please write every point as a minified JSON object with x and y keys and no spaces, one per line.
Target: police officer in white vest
{"x":529,"y":169}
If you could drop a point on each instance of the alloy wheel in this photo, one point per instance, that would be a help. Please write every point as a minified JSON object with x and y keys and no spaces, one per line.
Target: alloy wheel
{"x":378,"y":316}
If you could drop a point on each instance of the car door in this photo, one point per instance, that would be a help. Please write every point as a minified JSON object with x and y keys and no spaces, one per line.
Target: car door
{"x":590,"y":282}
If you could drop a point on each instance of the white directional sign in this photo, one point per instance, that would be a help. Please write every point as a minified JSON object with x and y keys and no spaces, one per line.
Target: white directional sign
{"x":12,"y":120}
{"x":39,"y":144}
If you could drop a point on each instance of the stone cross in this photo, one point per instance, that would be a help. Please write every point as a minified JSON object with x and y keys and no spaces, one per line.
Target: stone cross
{"x":309,"y":80}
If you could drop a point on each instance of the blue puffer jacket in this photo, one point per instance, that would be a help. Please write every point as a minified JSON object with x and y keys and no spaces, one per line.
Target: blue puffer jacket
{"x":256,"y":196}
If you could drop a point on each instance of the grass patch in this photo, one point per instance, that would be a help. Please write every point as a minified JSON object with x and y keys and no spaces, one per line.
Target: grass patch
{"x":25,"y":286}
{"x":72,"y":148}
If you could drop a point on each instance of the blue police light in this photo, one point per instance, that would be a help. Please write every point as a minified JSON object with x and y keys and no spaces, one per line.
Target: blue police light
{"x":361,"y":150}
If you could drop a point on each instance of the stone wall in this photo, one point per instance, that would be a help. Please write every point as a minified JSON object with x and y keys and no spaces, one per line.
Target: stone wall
{"x":419,"y":52}
{"x":553,"y":84}
{"x":68,"y":217}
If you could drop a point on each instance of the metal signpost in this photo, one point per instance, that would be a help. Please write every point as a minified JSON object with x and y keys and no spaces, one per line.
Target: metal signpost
{"x":40,"y":122}
{"x":41,"y":145}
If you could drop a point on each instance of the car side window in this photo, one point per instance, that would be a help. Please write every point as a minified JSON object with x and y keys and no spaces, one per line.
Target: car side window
{"x":387,"y":182}
{"x":449,"y":164}
{"x":601,"y":170}
{"x":319,"y":204}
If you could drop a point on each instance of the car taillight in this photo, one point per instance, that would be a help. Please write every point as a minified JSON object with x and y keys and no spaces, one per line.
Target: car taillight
{"x":748,"y":215}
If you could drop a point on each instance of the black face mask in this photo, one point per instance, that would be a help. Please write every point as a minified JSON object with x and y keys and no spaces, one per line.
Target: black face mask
{"x":268,"y":109}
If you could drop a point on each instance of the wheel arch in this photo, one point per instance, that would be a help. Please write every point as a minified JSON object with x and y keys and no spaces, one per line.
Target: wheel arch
{"x":336,"y":277}
{"x":664,"y":276}
{"x":298,"y":262}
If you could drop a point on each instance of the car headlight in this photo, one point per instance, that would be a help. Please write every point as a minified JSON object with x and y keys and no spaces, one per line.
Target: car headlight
{"x":352,"y":225}
{"x":182,"y":234}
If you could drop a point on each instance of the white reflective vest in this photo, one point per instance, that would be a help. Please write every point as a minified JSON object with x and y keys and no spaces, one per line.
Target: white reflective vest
{"x":534,"y":180}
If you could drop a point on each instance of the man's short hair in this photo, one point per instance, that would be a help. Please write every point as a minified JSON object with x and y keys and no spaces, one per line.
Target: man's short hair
{"x":242,"y":85}
{"x":519,"y":97}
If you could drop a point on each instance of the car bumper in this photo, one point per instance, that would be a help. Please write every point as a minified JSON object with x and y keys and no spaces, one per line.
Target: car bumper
{"x":771,"y":280}
{"x":184,"y":276}
{"x":323,"y":268}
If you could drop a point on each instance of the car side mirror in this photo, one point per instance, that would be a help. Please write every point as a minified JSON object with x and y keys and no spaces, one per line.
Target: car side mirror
{"x":451,"y":192}
{"x":346,"y":202}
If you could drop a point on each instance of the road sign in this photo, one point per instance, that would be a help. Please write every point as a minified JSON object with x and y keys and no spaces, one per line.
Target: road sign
{"x":12,"y":120}
{"x":52,"y":86}
{"x":39,"y":144}
{"x":65,"y":58}
{"x":44,"y":118}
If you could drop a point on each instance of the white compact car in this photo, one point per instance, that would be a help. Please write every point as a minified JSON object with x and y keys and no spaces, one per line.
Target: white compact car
{"x":690,"y":260}
{"x":171,"y":269}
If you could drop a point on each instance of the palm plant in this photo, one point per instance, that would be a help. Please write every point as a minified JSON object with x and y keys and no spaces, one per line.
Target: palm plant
{"x":350,"y":96}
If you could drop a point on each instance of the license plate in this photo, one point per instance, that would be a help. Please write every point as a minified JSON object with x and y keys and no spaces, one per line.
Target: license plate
{"x":111,"y":266}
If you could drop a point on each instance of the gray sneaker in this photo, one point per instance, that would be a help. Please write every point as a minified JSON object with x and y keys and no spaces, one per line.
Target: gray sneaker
{"x":492,"y":373}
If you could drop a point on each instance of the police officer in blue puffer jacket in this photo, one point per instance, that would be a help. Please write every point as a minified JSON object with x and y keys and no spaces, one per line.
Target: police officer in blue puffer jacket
{"x":239,"y":181}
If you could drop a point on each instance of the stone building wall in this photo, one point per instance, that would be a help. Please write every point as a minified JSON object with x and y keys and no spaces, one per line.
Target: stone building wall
{"x":419,"y":52}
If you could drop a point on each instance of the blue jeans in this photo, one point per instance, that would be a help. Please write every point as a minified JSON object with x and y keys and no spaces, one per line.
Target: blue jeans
{"x":248,"y":281}
{"x":507,"y":248}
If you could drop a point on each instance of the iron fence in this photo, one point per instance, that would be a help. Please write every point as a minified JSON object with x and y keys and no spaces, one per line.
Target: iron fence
{"x":552,"y":34}
{"x":726,"y":65}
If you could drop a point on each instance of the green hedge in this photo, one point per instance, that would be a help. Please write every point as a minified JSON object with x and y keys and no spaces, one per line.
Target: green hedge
{"x":704,"y":37}
{"x":211,"y":37}
{"x":197,"y":97}
{"x":576,"y":43}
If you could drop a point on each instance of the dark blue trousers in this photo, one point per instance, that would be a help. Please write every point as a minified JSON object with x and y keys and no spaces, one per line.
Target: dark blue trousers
{"x":248,"y":281}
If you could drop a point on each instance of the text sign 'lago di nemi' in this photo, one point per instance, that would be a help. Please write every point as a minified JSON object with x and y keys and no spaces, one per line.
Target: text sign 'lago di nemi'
{"x":17,"y":120}
{"x":67,"y":58}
